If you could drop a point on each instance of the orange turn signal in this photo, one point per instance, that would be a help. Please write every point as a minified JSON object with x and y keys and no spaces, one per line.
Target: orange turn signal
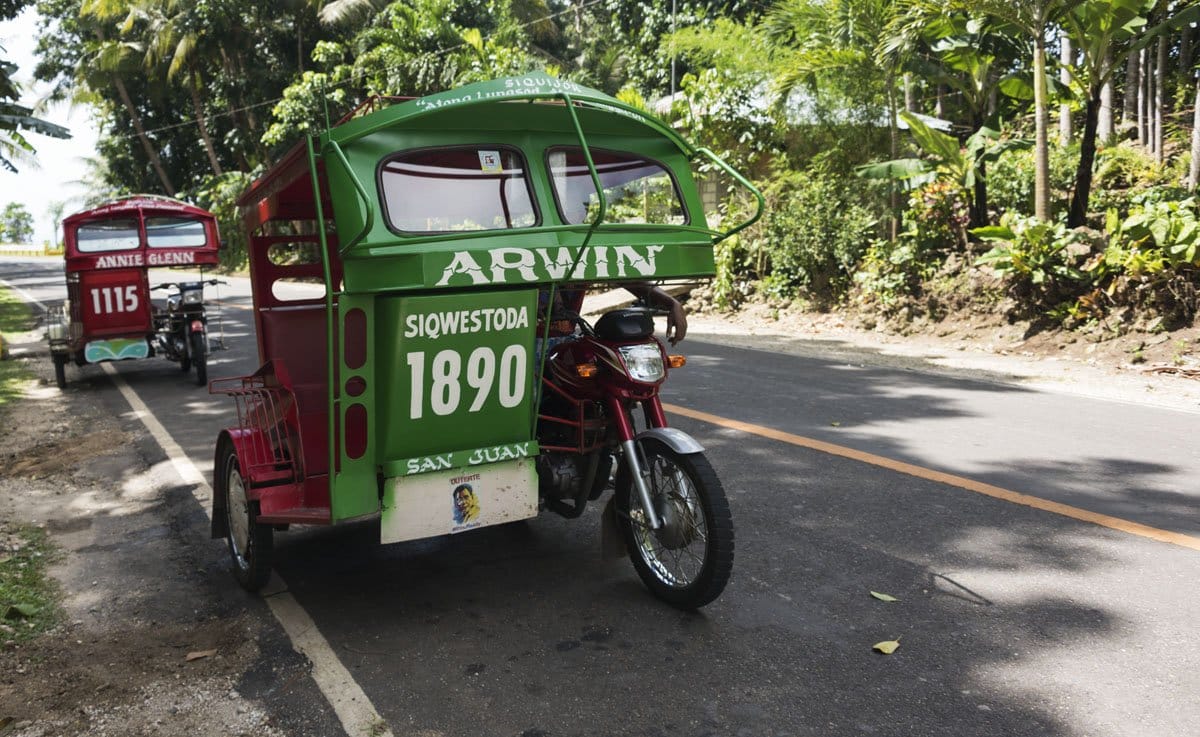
{"x":676,"y":361}
{"x":586,"y":370}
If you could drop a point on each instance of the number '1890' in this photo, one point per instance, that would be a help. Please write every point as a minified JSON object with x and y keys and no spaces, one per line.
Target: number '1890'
{"x":482,"y":373}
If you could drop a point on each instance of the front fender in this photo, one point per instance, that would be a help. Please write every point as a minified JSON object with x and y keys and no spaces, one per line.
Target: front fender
{"x":241,"y":440}
{"x":676,"y":440}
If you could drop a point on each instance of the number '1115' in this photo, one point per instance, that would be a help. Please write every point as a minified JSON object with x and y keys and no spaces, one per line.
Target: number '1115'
{"x":116,"y":299}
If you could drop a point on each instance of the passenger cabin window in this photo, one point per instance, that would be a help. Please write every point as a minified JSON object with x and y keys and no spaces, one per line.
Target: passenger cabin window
{"x":637,"y":189}
{"x":167,"y":232}
{"x":117,"y":234}
{"x":457,"y":189}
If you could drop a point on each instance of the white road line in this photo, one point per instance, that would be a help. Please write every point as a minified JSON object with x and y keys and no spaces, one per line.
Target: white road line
{"x":24,"y":295}
{"x":356,"y":712}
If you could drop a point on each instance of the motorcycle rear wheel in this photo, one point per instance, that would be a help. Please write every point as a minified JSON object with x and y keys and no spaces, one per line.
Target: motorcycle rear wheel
{"x":200,"y":358}
{"x":687,"y":562}
{"x":251,"y":545}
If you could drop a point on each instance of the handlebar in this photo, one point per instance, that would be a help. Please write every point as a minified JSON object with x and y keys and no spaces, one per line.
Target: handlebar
{"x":178,"y":285}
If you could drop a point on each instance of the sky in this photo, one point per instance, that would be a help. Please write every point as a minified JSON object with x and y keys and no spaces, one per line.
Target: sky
{"x":58,"y":161}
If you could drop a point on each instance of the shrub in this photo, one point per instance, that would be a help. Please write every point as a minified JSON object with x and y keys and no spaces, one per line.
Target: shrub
{"x":219,"y":195}
{"x":814,"y":235}
{"x":1010,"y":180}
{"x":1040,"y":261}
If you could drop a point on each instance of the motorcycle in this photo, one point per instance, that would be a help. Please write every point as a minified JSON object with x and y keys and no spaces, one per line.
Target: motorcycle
{"x":668,"y":504}
{"x":181,"y":331}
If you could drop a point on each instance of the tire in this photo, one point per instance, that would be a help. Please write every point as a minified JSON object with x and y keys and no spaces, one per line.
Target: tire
{"x":688,"y":561}
{"x":60,"y":370}
{"x":251,"y":545}
{"x":200,"y":358}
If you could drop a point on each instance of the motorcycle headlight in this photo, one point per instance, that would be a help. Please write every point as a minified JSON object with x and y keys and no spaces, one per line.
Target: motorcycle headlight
{"x":643,"y":361}
{"x":193,"y":297}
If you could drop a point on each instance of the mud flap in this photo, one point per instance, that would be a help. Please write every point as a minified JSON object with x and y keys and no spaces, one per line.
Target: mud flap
{"x":612,"y":546}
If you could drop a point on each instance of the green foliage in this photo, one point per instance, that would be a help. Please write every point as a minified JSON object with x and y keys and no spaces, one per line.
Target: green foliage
{"x":407,"y":49}
{"x":1156,"y":236}
{"x":28,"y":595}
{"x":16,"y":224}
{"x":945,"y":160}
{"x":218,"y":195}
{"x":935,"y":225}
{"x":1041,"y":261}
{"x":14,"y":119}
{"x":814,"y":234}
{"x":1010,"y":180}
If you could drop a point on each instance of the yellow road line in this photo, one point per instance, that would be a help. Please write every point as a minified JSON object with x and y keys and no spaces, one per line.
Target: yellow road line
{"x":961,"y":482}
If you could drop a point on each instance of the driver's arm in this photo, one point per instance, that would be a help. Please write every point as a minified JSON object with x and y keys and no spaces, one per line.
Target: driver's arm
{"x":657,"y":298}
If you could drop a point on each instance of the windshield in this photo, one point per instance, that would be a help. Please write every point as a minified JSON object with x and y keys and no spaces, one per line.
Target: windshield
{"x":168,"y":232}
{"x":637,"y":189}
{"x":455,"y":189}
{"x":117,"y":234}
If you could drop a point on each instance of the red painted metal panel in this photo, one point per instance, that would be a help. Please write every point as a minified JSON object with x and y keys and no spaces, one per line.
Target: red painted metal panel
{"x":114,"y":302}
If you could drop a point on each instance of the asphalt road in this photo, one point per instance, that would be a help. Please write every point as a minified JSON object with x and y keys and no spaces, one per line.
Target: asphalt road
{"x":1011,"y":620}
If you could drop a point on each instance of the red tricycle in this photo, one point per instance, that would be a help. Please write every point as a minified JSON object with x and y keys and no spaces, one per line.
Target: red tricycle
{"x":108,"y":315}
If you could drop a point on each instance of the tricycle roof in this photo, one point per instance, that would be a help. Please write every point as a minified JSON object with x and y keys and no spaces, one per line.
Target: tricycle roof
{"x":140,"y":231}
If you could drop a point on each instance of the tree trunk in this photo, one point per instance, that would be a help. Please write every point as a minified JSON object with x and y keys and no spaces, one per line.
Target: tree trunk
{"x":1142,"y":138}
{"x":1064,"y":76}
{"x":1041,"y":158}
{"x":979,"y":208}
{"x":1185,"y":50}
{"x":1194,"y":168}
{"x":1087,"y":158}
{"x":151,"y":152}
{"x":202,"y":124}
{"x":910,"y":98}
{"x":1133,"y":69}
{"x":894,"y":150}
{"x":1160,"y":83}
{"x":1104,"y":127}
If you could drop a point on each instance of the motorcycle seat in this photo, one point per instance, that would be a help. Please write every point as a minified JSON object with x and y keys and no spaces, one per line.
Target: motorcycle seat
{"x":627,"y":324}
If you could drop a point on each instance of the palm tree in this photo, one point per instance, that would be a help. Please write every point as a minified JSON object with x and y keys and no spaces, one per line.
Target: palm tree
{"x":103,"y":63}
{"x":15,"y":118}
{"x":1104,"y":32}
{"x":965,"y":55}
{"x":818,"y":37}
{"x":1034,"y":19}
{"x":169,"y":37}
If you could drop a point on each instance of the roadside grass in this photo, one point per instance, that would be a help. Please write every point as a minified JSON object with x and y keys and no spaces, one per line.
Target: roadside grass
{"x":29,"y":596}
{"x":15,"y":317}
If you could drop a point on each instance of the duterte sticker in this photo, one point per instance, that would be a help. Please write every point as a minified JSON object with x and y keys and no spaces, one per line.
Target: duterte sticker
{"x":489,"y":162}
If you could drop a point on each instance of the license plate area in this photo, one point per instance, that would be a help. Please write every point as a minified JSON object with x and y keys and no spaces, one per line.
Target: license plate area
{"x":457,"y":500}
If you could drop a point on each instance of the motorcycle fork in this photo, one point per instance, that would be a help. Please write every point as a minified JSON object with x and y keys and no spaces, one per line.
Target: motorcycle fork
{"x":625,"y":434}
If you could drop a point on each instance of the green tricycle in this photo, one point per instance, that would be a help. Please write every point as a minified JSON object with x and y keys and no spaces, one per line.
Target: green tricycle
{"x":445,"y":380}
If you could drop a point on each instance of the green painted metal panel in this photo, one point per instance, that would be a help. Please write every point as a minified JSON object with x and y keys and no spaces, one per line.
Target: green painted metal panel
{"x":354,"y":488}
{"x":459,"y":370}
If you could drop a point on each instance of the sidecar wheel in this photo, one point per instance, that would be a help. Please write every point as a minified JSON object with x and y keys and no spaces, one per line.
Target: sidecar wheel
{"x":200,"y":358}
{"x":251,"y":545}
{"x":688,"y":561}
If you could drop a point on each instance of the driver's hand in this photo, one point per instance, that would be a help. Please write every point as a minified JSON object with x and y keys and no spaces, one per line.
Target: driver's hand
{"x":676,"y":323}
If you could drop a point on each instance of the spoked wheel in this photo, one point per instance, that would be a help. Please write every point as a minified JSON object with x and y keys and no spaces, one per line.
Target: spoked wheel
{"x":60,"y":370}
{"x":686,"y":562}
{"x":250,"y":544}
{"x":200,"y":358}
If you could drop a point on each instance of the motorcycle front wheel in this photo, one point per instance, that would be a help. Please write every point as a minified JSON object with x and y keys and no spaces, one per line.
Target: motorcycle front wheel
{"x":200,"y":358}
{"x":686,"y":562}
